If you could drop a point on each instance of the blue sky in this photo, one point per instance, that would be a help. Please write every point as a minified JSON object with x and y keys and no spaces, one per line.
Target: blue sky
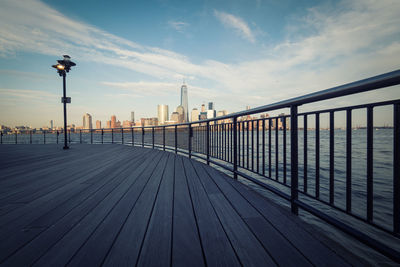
{"x":133,"y":55}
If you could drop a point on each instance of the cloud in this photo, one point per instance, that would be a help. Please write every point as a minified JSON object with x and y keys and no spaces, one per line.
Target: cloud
{"x":143,"y":88}
{"x":236,"y":23}
{"x":27,"y":94}
{"x":180,"y":26}
{"x":324,"y":48}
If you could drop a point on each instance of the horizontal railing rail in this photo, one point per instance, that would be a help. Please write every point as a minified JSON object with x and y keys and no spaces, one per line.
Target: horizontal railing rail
{"x":312,"y":167}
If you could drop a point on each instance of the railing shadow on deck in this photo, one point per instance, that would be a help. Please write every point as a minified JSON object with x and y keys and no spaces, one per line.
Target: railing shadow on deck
{"x":274,"y":152}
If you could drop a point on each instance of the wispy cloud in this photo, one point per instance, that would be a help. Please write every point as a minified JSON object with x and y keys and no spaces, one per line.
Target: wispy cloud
{"x":144,"y":88}
{"x":340,"y":46}
{"x":237,"y":23}
{"x":180,"y":26}
{"x":27,"y":94}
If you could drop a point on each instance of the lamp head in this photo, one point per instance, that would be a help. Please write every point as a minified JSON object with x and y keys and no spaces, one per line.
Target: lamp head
{"x":64,"y":65}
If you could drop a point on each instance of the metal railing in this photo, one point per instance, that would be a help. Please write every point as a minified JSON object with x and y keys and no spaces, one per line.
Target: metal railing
{"x":257,"y":150}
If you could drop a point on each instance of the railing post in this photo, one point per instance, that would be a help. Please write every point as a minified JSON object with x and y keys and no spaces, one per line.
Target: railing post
{"x":30,"y":137}
{"x":69,"y":136}
{"x":152,"y":136}
{"x":396,"y":169}
{"x":190,"y":141}
{"x":112,"y":136}
{"x":294,"y":159}
{"x":1,"y":138}
{"x":235,"y":148}
{"x":142,"y":136}
{"x":44,"y":137}
{"x":176,"y":139}
{"x":370,"y":168}
{"x":102,"y":134}
{"x":164,"y":138}
{"x":16,"y":138}
{"x":80,"y":136}
{"x":57,"y":136}
{"x":91,"y":136}
{"x":133,"y":143}
{"x":122,"y":135}
{"x":208,"y":142}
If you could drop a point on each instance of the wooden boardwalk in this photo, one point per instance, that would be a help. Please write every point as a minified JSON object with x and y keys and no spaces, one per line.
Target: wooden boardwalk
{"x":115,"y":205}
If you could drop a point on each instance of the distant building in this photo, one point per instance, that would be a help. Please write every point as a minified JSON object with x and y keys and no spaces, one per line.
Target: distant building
{"x":149,"y":121}
{"x":162,"y":111}
{"x":222,"y":113}
{"x":248,"y":116}
{"x":108,"y":124}
{"x":51,"y":124}
{"x":203,"y":115}
{"x":195,"y":114}
{"x":203,"y":108}
{"x":98,"y":124}
{"x":133,"y":116}
{"x":127,"y":124}
{"x":87,"y":121}
{"x":113,"y":121}
{"x":181,"y":111}
{"x":175,"y":117}
{"x":211,"y":108}
{"x":184,"y":103}
{"x":210,"y":114}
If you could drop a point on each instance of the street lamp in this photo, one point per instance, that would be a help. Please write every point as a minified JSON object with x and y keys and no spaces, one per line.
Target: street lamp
{"x":63,"y":66}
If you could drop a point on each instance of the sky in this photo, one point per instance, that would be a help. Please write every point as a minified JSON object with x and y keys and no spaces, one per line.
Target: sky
{"x":134,"y":55}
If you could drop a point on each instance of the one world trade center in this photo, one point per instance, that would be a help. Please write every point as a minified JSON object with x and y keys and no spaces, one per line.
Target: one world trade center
{"x":184,"y":102}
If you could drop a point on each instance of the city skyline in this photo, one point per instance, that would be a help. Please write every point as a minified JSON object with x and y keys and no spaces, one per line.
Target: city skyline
{"x":230,"y":52}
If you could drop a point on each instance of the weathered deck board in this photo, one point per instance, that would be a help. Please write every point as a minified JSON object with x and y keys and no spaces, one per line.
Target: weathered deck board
{"x":114,"y":205}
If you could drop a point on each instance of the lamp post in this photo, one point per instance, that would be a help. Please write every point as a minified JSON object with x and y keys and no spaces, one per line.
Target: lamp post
{"x":63,"y":66}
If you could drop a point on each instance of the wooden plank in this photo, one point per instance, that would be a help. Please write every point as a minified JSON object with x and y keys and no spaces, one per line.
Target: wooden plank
{"x":51,"y":200}
{"x":247,"y":247}
{"x":93,"y":252}
{"x":102,"y":179}
{"x":47,"y":183}
{"x":59,"y":228}
{"x":126,"y":248}
{"x":25,"y":172}
{"x":186,"y":246}
{"x":158,"y":239}
{"x":63,"y":239}
{"x":313,"y":249}
{"x":281,"y":250}
{"x":214,"y":241}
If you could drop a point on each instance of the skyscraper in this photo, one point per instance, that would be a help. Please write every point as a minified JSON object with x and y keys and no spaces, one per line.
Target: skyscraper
{"x":162,"y":114}
{"x":181,"y":111}
{"x":195,"y":114}
{"x":51,"y":124}
{"x":98,"y":124}
{"x":175,"y":117}
{"x":133,"y":116}
{"x":203,"y":108}
{"x":87,"y":121}
{"x":113,"y":121}
{"x":211,"y":112}
{"x":184,"y":102}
